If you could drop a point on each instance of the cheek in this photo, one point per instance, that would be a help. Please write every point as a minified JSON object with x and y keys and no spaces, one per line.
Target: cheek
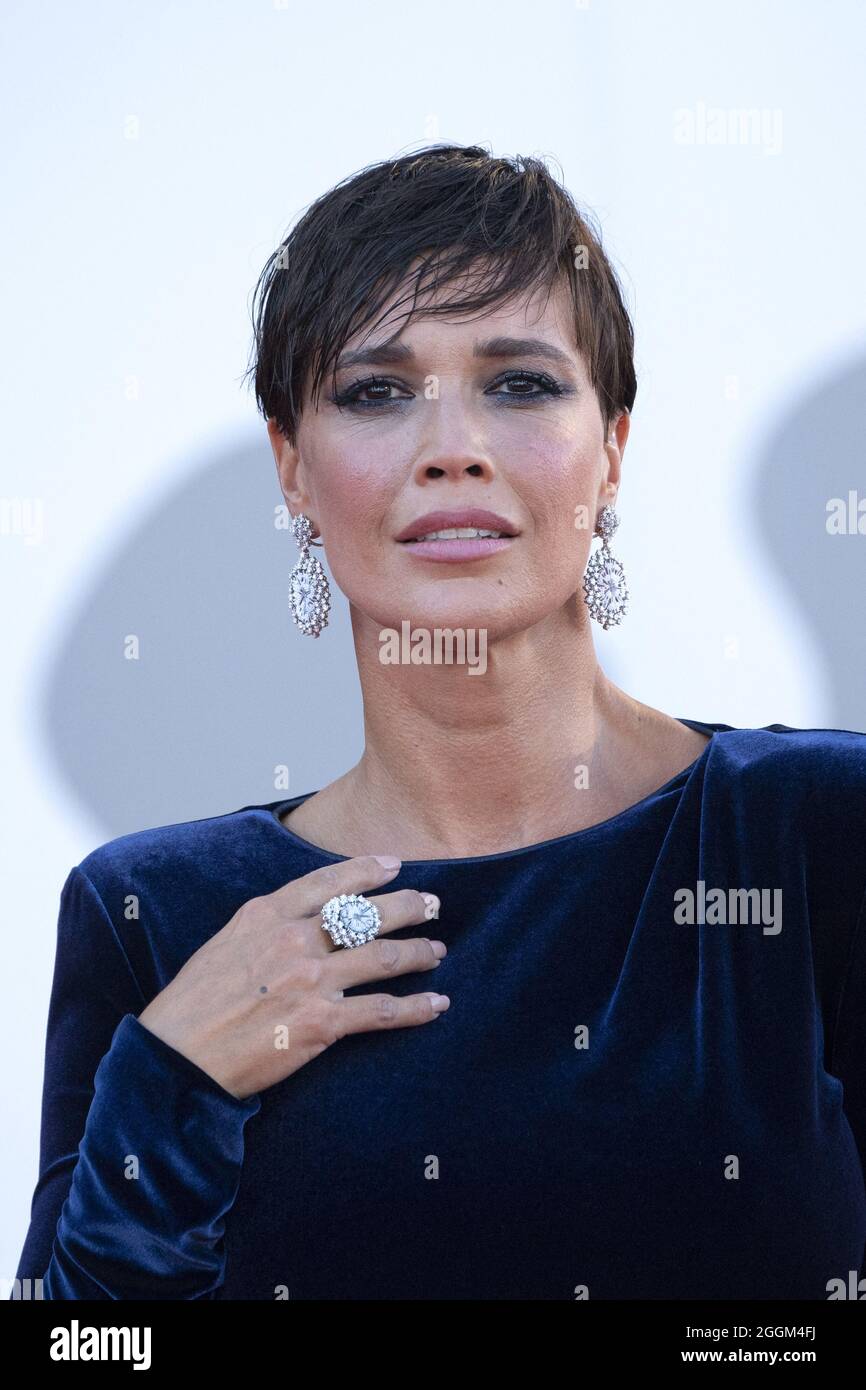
{"x":351,"y":488}
{"x":353,"y":495}
{"x":557,"y":480}
{"x":558,"y":488}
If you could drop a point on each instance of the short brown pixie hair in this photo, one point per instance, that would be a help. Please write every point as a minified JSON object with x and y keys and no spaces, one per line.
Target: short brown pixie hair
{"x":457,"y":209}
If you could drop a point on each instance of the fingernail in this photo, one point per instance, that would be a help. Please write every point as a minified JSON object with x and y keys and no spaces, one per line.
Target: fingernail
{"x":433,"y":905}
{"x":388,"y":861}
{"x":439,"y":1002}
{"x":439,"y":948}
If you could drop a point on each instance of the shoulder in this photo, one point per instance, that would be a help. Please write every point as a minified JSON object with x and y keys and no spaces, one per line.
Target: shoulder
{"x":801,"y":762}
{"x":805,"y":788}
{"x":181,"y":854}
{"x":164,"y":891}
{"x":136,"y":907}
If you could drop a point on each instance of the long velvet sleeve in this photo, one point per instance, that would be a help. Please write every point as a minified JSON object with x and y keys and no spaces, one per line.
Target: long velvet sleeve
{"x":848,"y":1061}
{"x":140,"y":1151}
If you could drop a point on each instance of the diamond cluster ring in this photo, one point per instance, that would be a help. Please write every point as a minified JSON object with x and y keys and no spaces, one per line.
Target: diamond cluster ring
{"x":351,"y":919}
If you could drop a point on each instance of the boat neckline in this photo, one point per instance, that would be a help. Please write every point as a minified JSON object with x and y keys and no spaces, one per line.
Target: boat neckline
{"x":276,"y":809}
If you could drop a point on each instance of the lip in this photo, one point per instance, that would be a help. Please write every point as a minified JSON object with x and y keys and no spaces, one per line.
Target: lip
{"x":461,"y":550}
{"x":446,"y":521}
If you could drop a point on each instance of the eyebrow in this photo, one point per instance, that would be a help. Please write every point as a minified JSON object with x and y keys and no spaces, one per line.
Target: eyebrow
{"x":392,"y":353}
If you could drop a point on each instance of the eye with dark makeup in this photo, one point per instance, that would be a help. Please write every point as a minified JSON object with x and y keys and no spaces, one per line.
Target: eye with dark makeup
{"x":350,"y":397}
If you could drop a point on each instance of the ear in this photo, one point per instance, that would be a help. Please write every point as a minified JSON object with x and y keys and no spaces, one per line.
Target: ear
{"x":290,"y":470}
{"x":614,"y":447}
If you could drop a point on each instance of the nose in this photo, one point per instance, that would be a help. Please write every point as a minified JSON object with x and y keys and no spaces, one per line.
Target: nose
{"x":453,"y":441}
{"x":468,"y":463}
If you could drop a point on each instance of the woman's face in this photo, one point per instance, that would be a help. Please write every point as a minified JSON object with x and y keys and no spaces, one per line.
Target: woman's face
{"x":454,"y":416}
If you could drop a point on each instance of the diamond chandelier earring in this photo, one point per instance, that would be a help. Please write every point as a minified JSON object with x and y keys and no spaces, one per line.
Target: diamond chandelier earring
{"x":309,"y":592}
{"x":604,"y":582}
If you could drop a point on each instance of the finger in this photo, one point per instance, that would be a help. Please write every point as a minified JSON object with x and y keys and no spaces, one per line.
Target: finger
{"x":307,"y":895}
{"x":405,"y":907}
{"x":365,"y":1013}
{"x":381,"y":958}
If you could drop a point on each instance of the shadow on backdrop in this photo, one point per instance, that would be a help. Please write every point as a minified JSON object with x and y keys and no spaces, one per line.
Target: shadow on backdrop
{"x":226,"y":688}
{"x":814,"y":455}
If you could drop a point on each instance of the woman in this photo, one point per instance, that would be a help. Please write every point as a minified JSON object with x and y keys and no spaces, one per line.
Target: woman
{"x":646,"y":1075}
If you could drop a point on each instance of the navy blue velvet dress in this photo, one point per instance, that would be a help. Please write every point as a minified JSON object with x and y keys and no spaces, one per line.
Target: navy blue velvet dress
{"x":647,"y":1086}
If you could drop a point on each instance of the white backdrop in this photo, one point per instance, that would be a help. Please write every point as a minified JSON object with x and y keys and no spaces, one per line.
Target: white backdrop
{"x":155,"y":153}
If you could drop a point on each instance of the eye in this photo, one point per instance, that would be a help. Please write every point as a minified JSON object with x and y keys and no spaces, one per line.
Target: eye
{"x":377,"y":386}
{"x":374,"y":392}
{"x":548,"y":386}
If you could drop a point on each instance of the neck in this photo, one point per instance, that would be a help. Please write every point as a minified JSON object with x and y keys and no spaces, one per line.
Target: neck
{"x":457,"y":764}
